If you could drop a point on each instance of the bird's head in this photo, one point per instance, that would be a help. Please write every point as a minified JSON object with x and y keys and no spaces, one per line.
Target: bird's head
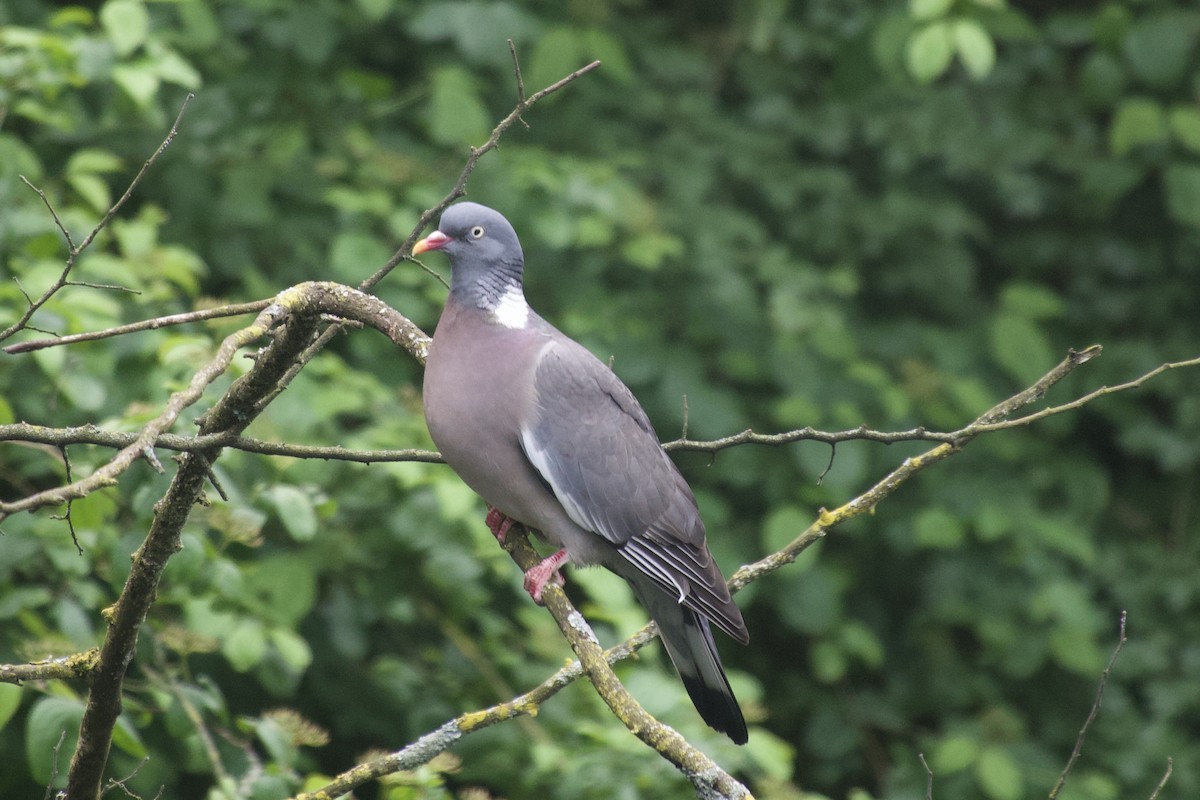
{"x":475,"y":237}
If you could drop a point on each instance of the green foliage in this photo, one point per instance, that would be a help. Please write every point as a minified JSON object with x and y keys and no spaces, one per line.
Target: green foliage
{"x":793,"y":214}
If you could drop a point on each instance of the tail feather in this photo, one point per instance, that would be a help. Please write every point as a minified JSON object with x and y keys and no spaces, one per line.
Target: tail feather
{"x":689,"y":642}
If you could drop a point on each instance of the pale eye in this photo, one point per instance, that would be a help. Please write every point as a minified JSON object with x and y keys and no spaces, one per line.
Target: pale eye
{"x":477,"y":232}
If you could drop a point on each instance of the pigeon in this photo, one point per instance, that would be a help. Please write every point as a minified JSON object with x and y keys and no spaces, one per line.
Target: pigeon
{"x":551,"y":438}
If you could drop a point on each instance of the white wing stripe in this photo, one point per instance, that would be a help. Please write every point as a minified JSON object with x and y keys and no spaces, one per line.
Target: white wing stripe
{"x":541,"y":462}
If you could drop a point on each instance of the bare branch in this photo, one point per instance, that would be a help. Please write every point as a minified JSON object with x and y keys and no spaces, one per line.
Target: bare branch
{"x":1163,"y":782}
{"x":62,"y":668}
{"x":304,"y":300}
{"x":53,"y":215}
{"x":62,"y":736}
{"x":124,"y":198}
{"x":233,"y":412}
{"x":1084,"y":400}
{"x":107,"y":474}
{"x":1087,"y":723}
{"x":460,"y":187}
{"x":512,"y":49}
{"x":75,"y":251}
{"x":90,"y":434}
{"x":708,"y":778}
{"x":145,"y":325}
{"x":444,"y":737}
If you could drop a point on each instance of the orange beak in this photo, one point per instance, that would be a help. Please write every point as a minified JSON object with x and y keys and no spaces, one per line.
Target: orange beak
{"x":434,"y":241}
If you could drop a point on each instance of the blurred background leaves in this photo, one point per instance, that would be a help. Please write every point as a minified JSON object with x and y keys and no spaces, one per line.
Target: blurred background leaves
{"x":821,"y":214}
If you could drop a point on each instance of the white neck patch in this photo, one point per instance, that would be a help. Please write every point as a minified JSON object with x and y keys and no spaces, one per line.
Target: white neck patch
{"x":512,"y":311}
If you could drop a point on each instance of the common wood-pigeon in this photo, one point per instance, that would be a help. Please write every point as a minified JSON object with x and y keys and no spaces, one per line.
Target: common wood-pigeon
{"x":550,"y":437}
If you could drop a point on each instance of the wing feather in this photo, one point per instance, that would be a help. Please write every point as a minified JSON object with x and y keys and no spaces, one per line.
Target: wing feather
{"x":592,"y":443}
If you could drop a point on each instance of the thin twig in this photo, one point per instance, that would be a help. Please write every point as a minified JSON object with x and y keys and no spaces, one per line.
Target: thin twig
{"x":54,"y":765}
{"x":112,"y":287}
{"x":460,"y":186}
{"x":437,"y":741}
{"x":66,"y":515}
{"x":90,"y":434}
{"x":62,"y":668}
{"x":201,"y":315}
{"x":1163,"y":782}
{"x":1062,"y":779}
{"x":512,"y":49}
{"x":928,"y":776}
{"x":74,"y":250}
{"x":233,"y":411}
{"x":113,"y":783}
{"x":116,"y":207}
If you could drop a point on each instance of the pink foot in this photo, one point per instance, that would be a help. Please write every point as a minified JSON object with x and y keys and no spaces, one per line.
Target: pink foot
{"x":498,"y":523}
{"x":543,"y":572}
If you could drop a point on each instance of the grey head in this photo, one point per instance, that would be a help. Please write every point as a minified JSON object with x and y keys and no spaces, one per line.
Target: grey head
{"x":485,"y":255}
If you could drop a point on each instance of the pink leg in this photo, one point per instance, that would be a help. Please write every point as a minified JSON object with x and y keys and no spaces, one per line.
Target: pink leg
{"x":499,"y":523}
{"x":537,"y":576}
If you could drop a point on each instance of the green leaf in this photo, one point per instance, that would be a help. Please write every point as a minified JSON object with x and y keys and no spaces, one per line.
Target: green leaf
{"x":375,"y":10}
{"x":556,"y":53}
{"x":354,"y":255}
{"x":1182,"y":183}
{"x":859,"y":640}
{"x":954,"y":753}
{"x":929,"y":51}
{"x":92,"y":189}
{"x":1020,"y":348}
{"x":292,"y":647}
{"x":126,"y":739}
{"x":929,"y":9}
{"x":52,"y":719}
{"x":126,"y":22}
{"x":975,"y":48}
{"x":283,"y":588}
{"x":1139,"y":121}
{"x":10,"y":701}
{"x":936,"y":527}
{"x":174,"y":68}
{"x":477,"y":29}
{"x":783,"y":525}
{"x":1031,"y":300}
{"x":1184,"y":122}
{"x":773,"y":755}
{"x":1102,"y":79}
{"x":1159,"y":48}
{"x":999,"y":775}
{"x":93,"y":159}
{"x":600,"y":44}
{"x":1075,"y":649}
{"x":295,"y":510}
{"x":138,"y":81}
{"x":828,"y":662}
{"x":245,"y":645}
{"x":455,"y":114}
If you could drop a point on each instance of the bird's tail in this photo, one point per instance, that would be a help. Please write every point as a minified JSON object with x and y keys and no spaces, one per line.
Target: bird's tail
{"x":689,"y":642}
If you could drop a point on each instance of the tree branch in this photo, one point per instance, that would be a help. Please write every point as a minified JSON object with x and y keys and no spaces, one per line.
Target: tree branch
{"x":303,"y":299}
{"x":74,"y":251}
{"x":62,"y":668}
{"x":709,"y":780}
{"x":460,"y":186}
{"x":145,"y":325}
{"x":233,"y":412}
{"x":659,"y":736}
{"x":1087,"y":723}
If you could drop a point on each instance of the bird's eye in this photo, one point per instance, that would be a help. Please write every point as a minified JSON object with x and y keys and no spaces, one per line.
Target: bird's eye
{"x":477,"y":232}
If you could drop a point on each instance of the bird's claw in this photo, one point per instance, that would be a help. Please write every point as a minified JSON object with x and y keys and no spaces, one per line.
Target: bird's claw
{"x":546,"y":570}
{"x":498,"y":523}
